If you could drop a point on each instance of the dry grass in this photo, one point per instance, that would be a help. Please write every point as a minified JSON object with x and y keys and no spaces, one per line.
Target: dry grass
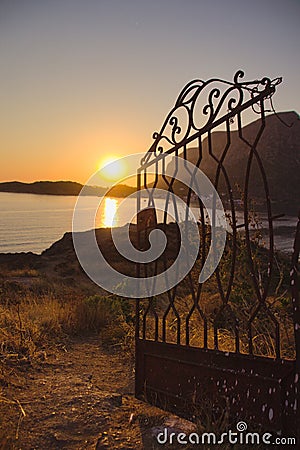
{"x":36,"y":316}
{"x":263,"y":328}
{"x":34,"y":323}
{"x":23,"y":273}
{"x":31,"y":324}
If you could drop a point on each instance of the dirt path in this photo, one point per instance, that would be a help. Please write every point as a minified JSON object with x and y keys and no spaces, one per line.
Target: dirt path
{"x":78,"y":398}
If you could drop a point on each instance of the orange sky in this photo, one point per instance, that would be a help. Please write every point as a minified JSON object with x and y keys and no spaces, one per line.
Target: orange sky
{"x":84,"y":80}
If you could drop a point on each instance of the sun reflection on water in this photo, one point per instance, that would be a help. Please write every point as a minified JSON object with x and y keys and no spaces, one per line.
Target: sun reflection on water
{"x":108,"y":214}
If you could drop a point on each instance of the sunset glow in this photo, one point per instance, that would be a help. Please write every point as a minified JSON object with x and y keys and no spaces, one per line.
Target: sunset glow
{"x":80,"y":85}
{"x":112,"y":168}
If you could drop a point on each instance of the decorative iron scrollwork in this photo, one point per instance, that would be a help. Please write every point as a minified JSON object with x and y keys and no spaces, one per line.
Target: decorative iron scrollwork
{"x":201,"y":104}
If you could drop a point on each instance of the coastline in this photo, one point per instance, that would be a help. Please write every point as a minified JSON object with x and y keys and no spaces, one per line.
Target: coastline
{"x":65,"y":188}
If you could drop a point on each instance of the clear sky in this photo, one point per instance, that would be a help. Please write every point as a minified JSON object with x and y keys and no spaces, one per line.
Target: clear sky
{"x":83,"y":80}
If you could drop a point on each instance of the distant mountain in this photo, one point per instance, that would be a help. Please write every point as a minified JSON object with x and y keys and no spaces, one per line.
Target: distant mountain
{"x":42,"y":187}
{"x":63,"y":188}
{"x":279,"y":150}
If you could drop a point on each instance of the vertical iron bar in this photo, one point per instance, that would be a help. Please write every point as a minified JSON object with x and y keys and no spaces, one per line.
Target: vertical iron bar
{"x":137,"y":304}
{"x":295,"y":292}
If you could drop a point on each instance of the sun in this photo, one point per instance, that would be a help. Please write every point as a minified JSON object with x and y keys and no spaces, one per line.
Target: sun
{"x":112,"y":168}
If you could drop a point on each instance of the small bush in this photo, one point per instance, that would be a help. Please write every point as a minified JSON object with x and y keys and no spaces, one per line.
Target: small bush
{"x":97,"y":312}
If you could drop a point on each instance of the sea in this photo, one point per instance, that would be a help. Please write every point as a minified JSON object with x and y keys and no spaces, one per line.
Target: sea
{"x":32,"y":223}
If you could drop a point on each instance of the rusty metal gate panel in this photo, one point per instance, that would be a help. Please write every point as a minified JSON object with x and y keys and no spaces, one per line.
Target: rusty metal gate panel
{"x":231,"y":343}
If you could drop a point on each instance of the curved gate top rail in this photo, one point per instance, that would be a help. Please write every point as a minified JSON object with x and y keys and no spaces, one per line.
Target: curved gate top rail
{"x":215,"y":101}
{"x":233,"y":341}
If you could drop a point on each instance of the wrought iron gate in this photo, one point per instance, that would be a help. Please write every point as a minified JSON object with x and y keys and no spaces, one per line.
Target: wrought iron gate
{"x":231,"y":343}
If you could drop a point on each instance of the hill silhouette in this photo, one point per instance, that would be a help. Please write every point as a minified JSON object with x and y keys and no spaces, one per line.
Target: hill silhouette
{"x":64,"y":188}
{"x":279,"y":150}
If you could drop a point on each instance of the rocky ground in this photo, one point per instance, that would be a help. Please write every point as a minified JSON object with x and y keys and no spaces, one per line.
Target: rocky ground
{"x":80,"y":397}
{"x":77,"y":394}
